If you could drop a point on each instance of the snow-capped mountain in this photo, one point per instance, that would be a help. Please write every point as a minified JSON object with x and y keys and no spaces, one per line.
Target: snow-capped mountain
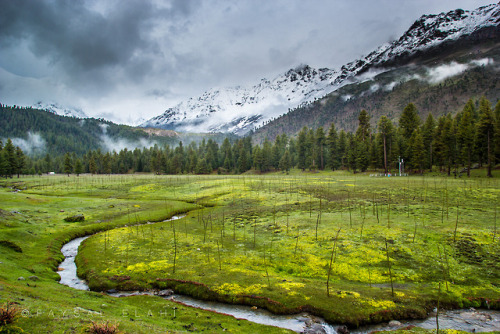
{"x":59,"y":110}
{"x":240,"y":109}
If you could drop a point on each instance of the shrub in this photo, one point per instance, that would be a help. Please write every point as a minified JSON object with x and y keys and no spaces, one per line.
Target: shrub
{"x":8,"y":314}
{"x":103,"y":328}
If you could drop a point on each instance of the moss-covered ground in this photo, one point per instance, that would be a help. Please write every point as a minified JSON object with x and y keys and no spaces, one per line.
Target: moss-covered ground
{"x":387,"y":248}
{"x":33,"y":229}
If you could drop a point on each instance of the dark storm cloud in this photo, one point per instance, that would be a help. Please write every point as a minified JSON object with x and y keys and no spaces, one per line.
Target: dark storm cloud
{"x":108,"y":56}
{"x":71,"y":34}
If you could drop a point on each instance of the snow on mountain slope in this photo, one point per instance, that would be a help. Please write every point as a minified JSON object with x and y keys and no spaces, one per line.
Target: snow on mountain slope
{"x":59,"y":110}
{"x":238,"y":109}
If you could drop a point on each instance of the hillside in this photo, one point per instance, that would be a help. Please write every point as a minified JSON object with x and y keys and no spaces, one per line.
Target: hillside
{"x":437,"y":82}
{"x":40,"y":132}
{"x":238,"y":110}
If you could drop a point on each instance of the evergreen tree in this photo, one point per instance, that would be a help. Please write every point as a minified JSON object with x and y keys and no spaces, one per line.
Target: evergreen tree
{"x":243,"y":160}
{"x":386,"y":130}
{"x":428,"y":133}
{"x":227,"y":154}
{"x":93,"y":166}
{"x":351,"y":152}
{"x":302,"y":149}
{"x":442,"y":142}
{"x":78,"y":167}
{"x":311,"y":151}
{"x":465,"y":137}
{"x":258,"y":160}
{"x":20,"y":161}
{"x":68,"y":166}
{"x":497,"y":132}
{"x":332,"y":143}
{"x":409,"y":120}
{"x":485,"y":133}
{"x":267,"y":156}
{"x":417,"y":151}
{"x":363,"y":132}
{"x":4,"y":164}
{"x":320,"y":147}
{"x":10,"y":156}
{"x":285,"y":162}
{"x":342,"y":148}
{"x":202,"y":167}
{"x":47,"y":163}
{"x":362,"y":155}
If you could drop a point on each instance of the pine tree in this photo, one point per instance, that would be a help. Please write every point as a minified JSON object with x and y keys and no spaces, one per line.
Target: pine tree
{"x":68,"y":166}
{"x":4,"y":164}
{"x":93,"y":165}
{"x":497,"y":132}
{"x":428,"y":133}
{"x":285,"y":162}
{"x":386,"y":130}
{"x":343,"y":148}
{"x":311,"y":151}
{"x":227,"y":154}
{"x":48,"y":163}
{"x":332,"y":144}
{"x":78,"y":167}
{"x":362,"y":154}
{"x":417,"y":151}
{"x":258,"y":160}
{"x":320,"y":147}
{"x":465,"y":137}
{"x":352,"y":152}
{"x":408,"y":122}
{"x":267,"y":155}
{"x":363,"y":131}
{"x":20,"y":161}
{"x":302,"y":149}
{"x":485,"y":132}
{"x":10,"y":156}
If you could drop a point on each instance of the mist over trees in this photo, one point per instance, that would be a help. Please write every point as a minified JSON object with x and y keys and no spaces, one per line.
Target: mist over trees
{"x":450,"y":144}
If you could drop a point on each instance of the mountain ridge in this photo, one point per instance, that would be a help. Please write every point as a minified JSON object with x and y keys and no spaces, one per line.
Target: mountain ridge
{"x":239,"y":110}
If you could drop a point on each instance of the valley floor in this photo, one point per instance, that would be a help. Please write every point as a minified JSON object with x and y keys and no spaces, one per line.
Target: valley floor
{"x":352,"y":249}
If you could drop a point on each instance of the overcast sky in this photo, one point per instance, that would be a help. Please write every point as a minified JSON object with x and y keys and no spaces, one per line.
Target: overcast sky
{"x":125,"y":59}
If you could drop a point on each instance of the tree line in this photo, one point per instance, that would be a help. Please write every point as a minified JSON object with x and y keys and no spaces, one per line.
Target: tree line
{"x":450,"y":144}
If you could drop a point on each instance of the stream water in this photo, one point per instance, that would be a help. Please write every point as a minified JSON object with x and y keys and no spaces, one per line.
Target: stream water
{"x":467,"y":320}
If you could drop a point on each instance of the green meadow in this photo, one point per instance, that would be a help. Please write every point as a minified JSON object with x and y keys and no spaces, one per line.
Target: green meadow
{"x":350,"y":248}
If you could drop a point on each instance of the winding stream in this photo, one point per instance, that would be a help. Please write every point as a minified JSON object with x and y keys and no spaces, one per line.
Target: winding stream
{"x":466,"y":320}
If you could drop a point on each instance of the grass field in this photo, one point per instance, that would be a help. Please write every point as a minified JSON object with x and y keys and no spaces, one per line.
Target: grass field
{"x":351,"y":248}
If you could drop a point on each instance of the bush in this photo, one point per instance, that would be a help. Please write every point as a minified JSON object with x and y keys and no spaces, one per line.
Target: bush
{"x":103,"y":328}
{"x":8,"y":314}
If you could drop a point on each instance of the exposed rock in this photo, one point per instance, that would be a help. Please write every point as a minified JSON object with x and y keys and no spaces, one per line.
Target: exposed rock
{"x":20,"y":278}
{"x":342,"y":330}
{"x":314,"y":326}
{"x":164,"y":293}
{"x":34,"y":278}
{"x":394,"y":323}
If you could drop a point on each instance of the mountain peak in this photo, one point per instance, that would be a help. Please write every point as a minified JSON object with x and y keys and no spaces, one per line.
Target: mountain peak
{"x":59,"y":110}
{"x":240,"y":109}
